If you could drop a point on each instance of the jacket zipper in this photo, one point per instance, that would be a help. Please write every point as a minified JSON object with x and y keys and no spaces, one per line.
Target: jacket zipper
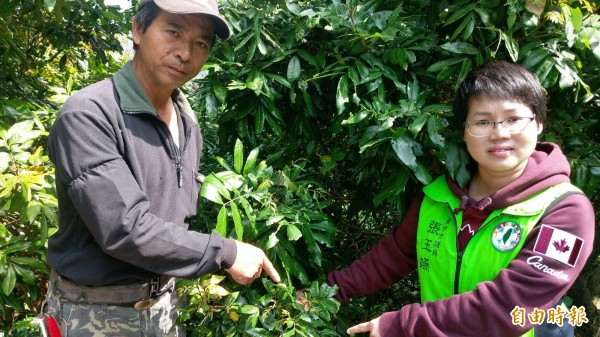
{"x":177,"y":152}
{"x":178,"y":156}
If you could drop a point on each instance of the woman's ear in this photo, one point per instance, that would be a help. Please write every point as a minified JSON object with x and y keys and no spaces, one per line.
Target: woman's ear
{"x":540,"y":127}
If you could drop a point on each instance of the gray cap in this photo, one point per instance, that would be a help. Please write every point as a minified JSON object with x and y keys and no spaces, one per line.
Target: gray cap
{"x":208,"y":7}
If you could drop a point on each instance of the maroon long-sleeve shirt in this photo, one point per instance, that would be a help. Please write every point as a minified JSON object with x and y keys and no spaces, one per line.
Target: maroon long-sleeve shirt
{"x":531,"y":281}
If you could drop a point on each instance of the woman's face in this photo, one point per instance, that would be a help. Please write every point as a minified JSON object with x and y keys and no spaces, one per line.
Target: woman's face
{"x":500,"y":152}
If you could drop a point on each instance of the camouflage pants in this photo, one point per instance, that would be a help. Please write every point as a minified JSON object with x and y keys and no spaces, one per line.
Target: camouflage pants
{"x":101,"y":320}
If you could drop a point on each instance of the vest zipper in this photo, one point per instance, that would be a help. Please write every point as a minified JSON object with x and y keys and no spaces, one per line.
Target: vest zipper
{"x":457,"y":273}
{"x":461,"y":253}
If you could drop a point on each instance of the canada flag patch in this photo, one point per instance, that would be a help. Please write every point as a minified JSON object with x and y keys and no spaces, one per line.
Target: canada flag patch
{"x":559,"y":245}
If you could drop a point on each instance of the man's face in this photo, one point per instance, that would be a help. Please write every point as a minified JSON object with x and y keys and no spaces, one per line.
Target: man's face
{"x":173,"y":49}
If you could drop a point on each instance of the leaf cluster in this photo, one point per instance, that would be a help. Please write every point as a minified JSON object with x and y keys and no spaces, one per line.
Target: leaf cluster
{"x":274,"y":310}
{"x":349,"y":100}
{"x":28,"y":211}
{"x":53,"y":45}
{"x":362,"y":91}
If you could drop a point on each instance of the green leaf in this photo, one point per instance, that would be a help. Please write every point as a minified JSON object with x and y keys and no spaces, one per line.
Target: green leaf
{"x":372,"y":143}
{"x":262,"y":48}
{"x":211,"y":106}
{"x":341,"y":96}
{"x":254,"y":81}
{"x":308,"y":58}
{"x":249,"y":309}
{"x":576,"y":18}
{"x":444,"y":64}
{"x":222,"y":222}
{"x":544,"y":68}
{"x":311,"y":244}
{"x":254,"y":332}
{"x":249,"y":213}
{"x":355,"y":118}
{"x":228,"y":181}
{"x":403,"y":149}
{"x":324,"y":226}
{"x":21,"y":135}
{"x":461,"y":12}
{"x":212,"y":189}
{"x":534,"y":57}
{"x":273,"y":240}
{"x":433,"y":131}
{"x":422,"y":174}
{"x":9,"y":281}
{"x":17,"y":247}
{"x":469,"y":28}
{"x":274,"y":219}
{"x":220,"y":92}
{"x":293,"y":69}
{"x":291,"y":264}
{"x":238,"y":156}
{"x":392,"y":186}
{"x":293,"y":233}
{"x":49,"y":4}
{"x":484,"y":15}
{"x":26,"y":274}
{"x":329,"y":304}
{"x":251,"y":52}
{"x":28,"y":261}
{"x":456,"y":162}
{"x":460,"y":48}
{"x":511,"y":45}
{"x":4,"y":161}
{"x":280,"y":79}
{"x":250,"y":161}
{"x":237,"y":220}
{"x":33,"y":210}
{"x":417,"y":125}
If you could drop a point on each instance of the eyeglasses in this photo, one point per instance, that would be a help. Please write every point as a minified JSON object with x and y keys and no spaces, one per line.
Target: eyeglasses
{"x":484,"y":127}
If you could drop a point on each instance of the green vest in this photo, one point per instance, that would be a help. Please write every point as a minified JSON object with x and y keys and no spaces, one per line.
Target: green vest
{"x":443,"y":271}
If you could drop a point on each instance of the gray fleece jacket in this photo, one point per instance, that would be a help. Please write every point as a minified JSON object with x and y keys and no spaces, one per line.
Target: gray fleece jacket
{"x":126,"y":192}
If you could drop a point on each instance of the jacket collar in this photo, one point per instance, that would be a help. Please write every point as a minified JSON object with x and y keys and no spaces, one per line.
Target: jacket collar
{"x":133,"y":100}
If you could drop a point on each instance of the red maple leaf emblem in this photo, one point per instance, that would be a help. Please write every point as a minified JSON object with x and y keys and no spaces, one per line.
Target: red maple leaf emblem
{"x":561,"y":246}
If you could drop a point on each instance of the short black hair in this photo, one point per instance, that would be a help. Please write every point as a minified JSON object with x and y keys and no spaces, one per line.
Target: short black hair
{"x":147,"y":12}
{"x":503,"y":81}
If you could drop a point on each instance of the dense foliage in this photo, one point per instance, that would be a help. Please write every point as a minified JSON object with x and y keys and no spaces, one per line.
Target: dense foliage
{"x":45,"y":50}
{"x":321,"y":120}
{"x":361,"y":92}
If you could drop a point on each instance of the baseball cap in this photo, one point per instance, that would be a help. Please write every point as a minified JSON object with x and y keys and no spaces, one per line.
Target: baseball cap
{"x":208,"y":7}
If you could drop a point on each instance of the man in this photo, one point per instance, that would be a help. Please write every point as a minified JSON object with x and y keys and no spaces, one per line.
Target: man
{"x":126,"y":152}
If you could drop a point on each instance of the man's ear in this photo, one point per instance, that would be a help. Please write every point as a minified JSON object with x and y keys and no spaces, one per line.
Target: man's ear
{"x":136,"y":30}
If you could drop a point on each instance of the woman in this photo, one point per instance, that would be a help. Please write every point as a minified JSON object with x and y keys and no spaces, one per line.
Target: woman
{"x":508,"y":244}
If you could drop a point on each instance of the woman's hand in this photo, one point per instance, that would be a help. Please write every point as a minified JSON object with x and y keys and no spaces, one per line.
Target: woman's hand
{"x":372,"y":327}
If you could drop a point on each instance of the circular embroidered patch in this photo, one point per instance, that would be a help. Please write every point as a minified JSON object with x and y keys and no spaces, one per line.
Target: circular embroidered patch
{"x":506,"y":236}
